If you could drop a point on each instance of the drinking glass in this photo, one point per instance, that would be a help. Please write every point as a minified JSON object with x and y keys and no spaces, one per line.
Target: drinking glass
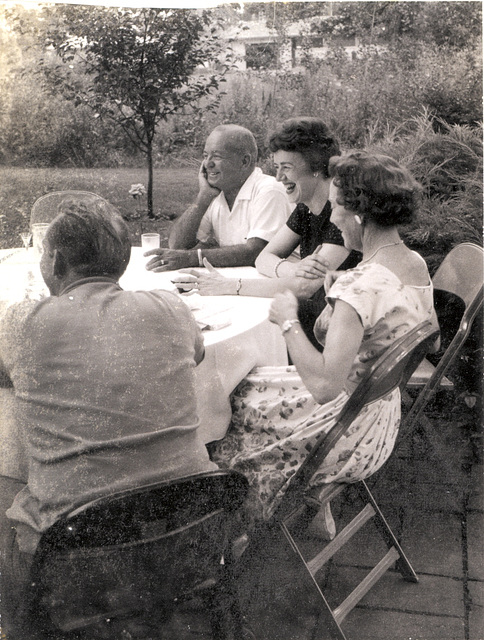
{"x":26,"y":238}
{"x":150,"y":241}
{"x":38,"y":234}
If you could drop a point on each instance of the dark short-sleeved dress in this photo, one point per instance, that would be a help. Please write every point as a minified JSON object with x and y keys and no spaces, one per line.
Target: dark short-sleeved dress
{"x":314,"y":230}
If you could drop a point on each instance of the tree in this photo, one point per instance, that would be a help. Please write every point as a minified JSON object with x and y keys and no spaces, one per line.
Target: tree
{"x":450,"y":24}
{"x":133,"y":66}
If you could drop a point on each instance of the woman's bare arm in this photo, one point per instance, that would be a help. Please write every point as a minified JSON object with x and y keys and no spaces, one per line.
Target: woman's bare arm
{"x":324,"y":374}
{"x":279,"y":247}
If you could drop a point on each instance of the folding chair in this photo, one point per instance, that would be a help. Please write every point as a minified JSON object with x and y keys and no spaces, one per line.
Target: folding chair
{"x":461,"y":274}
{"x":118,"y":566}
{"x":391,"y":370}
{"x":46,"y":208}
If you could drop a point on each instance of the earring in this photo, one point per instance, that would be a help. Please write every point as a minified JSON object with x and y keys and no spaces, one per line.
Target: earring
{"x":316,"y":174}
{"x":358,"y":219}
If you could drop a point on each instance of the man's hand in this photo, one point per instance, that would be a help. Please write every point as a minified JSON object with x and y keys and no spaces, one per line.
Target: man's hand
{"x":206,"y":193}
{"x":183,"y":234}
{"x":171,"y":259}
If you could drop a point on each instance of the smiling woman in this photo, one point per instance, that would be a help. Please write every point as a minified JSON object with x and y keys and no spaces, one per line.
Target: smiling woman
{"x":302,"y":148}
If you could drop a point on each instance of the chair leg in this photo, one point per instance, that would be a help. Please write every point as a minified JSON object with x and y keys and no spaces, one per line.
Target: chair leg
{"x":403,"y":563}
{"x":327,"y":627}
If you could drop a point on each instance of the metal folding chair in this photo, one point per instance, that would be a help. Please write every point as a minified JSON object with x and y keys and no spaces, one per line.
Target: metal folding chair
{"x":118,"y":566}
{"x":460,"y":274}
{"x":392,"y":370}
{"x":46,"y":208}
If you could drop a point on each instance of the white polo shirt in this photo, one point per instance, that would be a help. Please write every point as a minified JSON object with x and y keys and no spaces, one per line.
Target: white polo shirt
{"x":260,"y":210}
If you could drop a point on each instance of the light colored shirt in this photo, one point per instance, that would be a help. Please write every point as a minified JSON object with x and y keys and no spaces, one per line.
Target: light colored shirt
{"x":104,"y":385}
{"x":260,"y":209}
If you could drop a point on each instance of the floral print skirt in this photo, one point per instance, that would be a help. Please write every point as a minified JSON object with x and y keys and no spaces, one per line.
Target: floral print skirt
{"x":275,"y":422}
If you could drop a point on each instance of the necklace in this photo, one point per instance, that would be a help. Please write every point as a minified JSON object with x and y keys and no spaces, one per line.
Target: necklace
{"x":391,"y":244}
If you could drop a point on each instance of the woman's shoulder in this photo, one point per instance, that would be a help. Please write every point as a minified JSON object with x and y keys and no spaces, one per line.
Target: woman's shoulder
{"x":411,"y":269}
{"x":300,"y":215}
{"x":371,"y":278}
{"x":375,"y":292}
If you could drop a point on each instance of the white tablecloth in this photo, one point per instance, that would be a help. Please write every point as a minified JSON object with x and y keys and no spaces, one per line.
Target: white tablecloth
{"x":231,"y":352}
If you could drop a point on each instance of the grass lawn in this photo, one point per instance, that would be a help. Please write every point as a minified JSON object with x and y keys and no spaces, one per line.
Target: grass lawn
{"x":174,"y":190}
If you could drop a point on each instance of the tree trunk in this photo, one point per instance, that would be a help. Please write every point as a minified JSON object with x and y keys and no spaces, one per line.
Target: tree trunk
{"x":149,"y":154}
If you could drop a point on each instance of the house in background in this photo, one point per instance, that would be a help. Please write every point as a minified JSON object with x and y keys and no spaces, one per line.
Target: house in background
{"x":258,"y":46}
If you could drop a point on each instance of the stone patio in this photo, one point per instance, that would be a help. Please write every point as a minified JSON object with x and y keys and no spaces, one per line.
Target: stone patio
{"x":439,"y":521}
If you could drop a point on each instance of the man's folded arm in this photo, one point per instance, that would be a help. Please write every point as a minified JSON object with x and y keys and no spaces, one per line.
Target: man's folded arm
{"x":237,"y":255}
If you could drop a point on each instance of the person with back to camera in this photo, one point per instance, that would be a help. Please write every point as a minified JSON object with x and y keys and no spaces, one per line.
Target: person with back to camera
{"x":302,"y":148}
{"x":279,"y":412}
{"x":237,"y":211}
{"x":104,"y":390}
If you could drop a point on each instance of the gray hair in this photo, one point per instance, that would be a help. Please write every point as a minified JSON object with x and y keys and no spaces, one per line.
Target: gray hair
{"x":92,"y":239}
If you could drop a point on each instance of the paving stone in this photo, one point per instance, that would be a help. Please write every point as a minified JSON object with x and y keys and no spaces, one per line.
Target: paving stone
{"x":475,"y":546}
{"x":417,"y":496}
{"x":362,"y":624}
{"x":476,"y":497}
{"x":476,"y":613}
{"x":433,"y":543}
{"x":425,"y":512}
{"x":432,"y":594}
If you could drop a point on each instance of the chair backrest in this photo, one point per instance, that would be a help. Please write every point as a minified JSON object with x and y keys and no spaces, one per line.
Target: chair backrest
{"x":461,"y":272}
{"x":132,"y":553}
{"x":46,"y":208}
{"x":391,"y":370}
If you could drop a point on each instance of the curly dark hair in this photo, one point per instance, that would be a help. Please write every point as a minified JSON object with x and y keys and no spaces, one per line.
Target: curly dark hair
{"x":91,"y":238}
{"x":376,"y":187}
{"x":308,"y":136}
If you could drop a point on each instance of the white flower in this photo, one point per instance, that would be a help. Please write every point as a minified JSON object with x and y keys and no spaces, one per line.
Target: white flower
{"x":137,"y":190}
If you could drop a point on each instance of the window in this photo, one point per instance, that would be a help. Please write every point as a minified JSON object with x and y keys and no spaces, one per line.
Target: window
{"x":261,"y":56}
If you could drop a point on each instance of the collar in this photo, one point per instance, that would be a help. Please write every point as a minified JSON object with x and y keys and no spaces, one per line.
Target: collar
{"x":92,"y":280}
{"x":245,"y":192}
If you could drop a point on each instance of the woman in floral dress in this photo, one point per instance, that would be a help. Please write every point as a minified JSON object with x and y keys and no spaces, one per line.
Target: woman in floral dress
{"x":279,"y":412}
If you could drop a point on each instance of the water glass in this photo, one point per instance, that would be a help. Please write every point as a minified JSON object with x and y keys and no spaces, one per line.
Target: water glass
{"x":150,"y":241}
{"x":38,"y":234}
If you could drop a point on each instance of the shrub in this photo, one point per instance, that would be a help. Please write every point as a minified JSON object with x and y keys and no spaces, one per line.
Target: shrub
{"x":447,"y":161}
{"x":38,"y":130}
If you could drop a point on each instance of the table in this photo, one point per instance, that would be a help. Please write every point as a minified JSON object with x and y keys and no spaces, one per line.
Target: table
{"x":230,"y":353}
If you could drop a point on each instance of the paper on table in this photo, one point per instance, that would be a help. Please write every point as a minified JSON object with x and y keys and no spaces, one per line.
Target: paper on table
{"x":213,"y":320}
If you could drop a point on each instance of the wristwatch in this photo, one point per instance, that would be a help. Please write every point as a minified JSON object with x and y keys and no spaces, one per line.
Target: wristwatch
{"x":287,"y":324}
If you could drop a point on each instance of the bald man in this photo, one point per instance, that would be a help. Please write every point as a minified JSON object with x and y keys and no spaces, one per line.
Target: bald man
{"x":237,"y":211}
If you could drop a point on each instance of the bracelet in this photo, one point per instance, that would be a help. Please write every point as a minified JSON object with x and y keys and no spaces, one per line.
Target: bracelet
{"x":200,"y":257}
{"x":239,"y":285}
{"x":277,"y":265}
{"x":287,"y":324}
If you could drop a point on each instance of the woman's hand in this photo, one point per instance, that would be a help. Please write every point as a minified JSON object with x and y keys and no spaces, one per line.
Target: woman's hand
{"x":313,"y":266}
{"x":284,"y":307}
{"x":208,"y":283}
